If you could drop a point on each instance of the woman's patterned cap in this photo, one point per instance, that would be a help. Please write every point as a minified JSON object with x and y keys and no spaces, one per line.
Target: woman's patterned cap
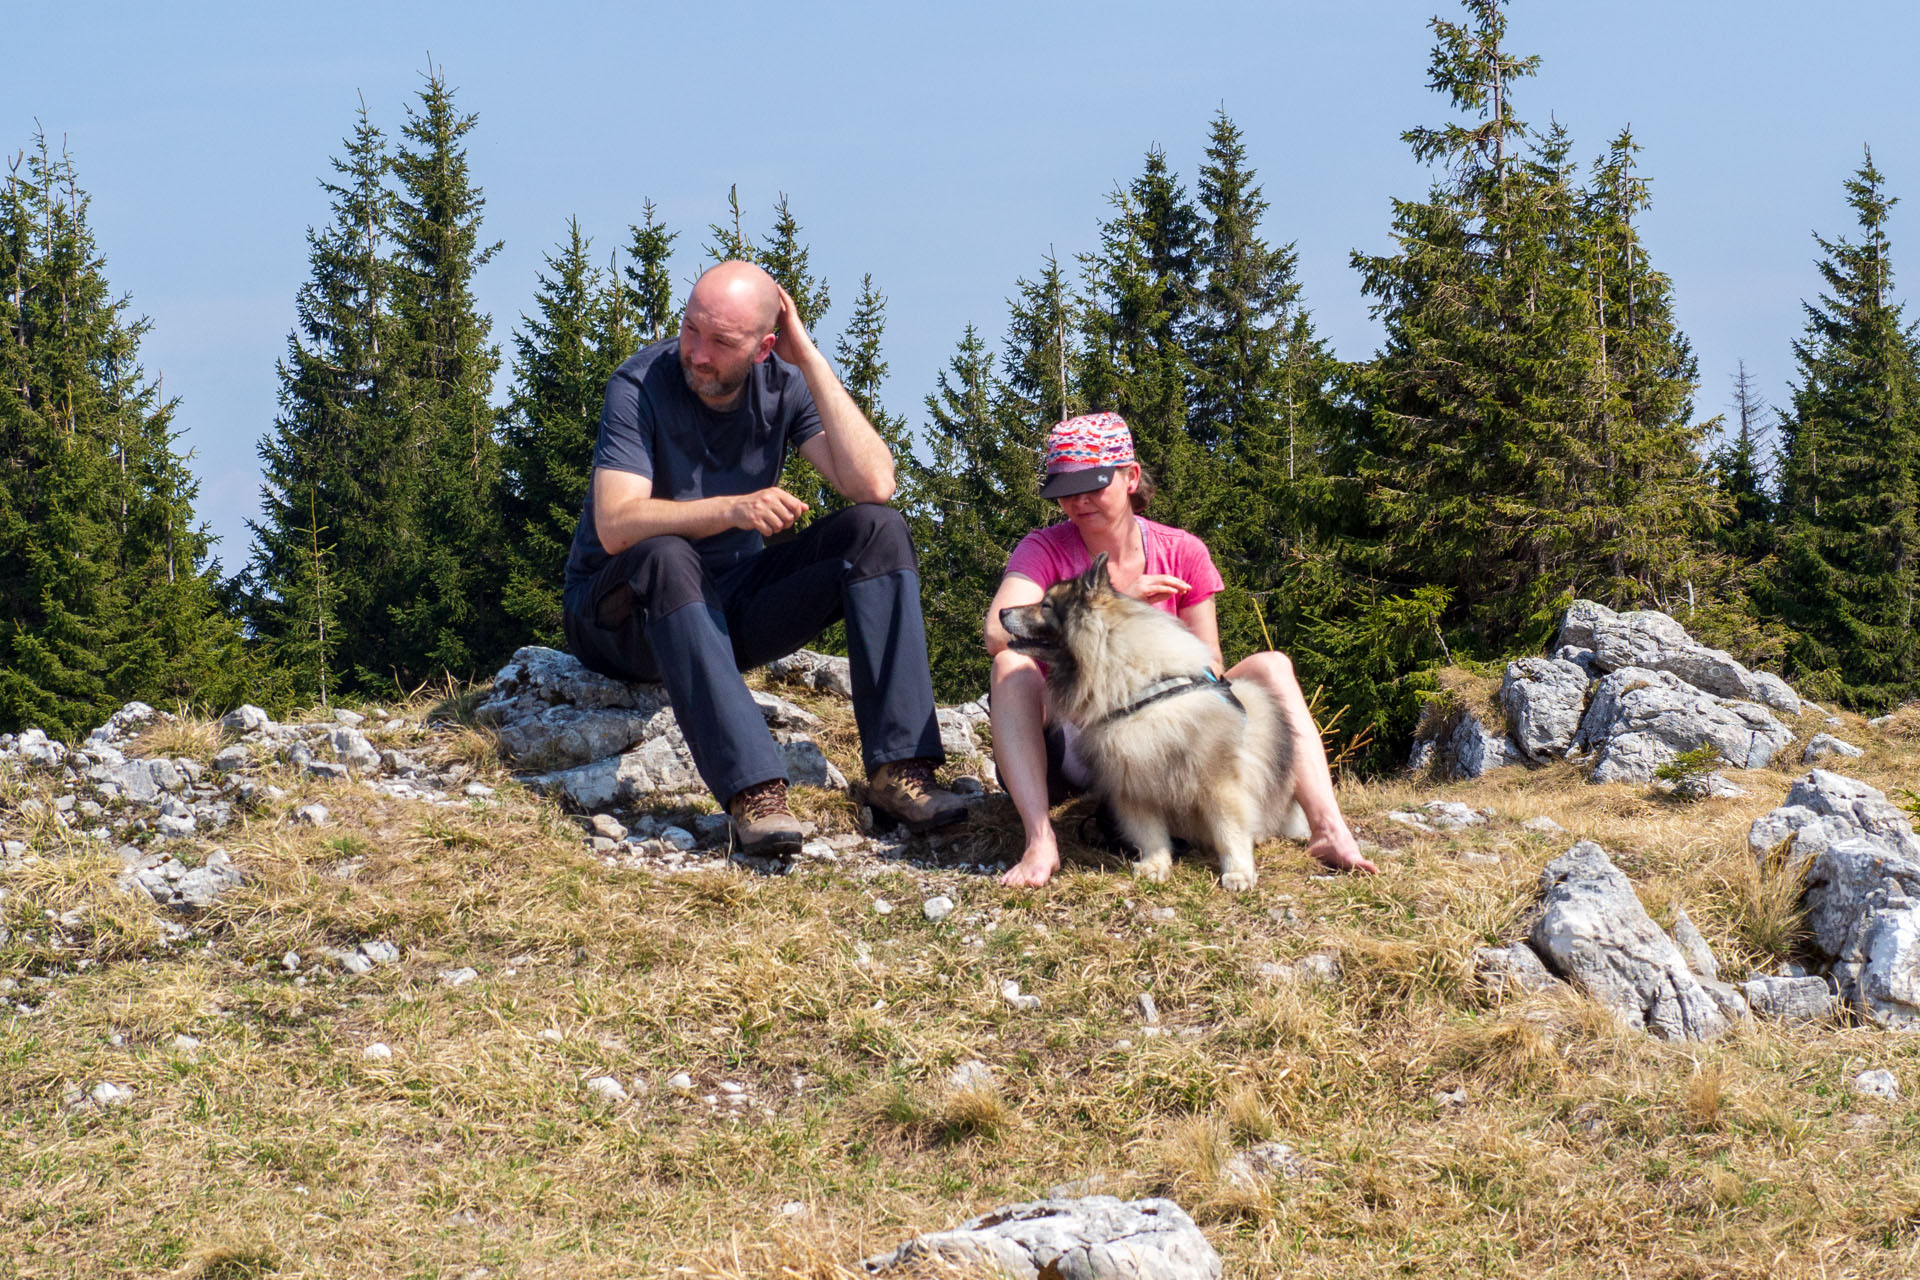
{"x":1082,"y":453}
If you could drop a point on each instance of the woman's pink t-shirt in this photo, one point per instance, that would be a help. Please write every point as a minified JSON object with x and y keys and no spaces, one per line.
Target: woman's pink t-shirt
{"x":1055,"y":553}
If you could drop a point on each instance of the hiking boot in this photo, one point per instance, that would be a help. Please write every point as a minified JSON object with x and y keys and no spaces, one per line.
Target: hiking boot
{"x":763,"y":826}
{"x":906,"y":792}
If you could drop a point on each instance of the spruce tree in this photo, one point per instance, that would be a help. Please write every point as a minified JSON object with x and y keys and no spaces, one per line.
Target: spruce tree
{"x":561,"y":366}
{"x":1527,"y":430}
{"x":110,"y":593}
{"x":1139,"y":291}
{"x":863,"y":369}
{"x":1850,"y":542}
{"x":341,"y":472}
{"x":1743,"y":473}
{"x":649,"y":288}
{"x":785,"y":257}
{"x":446,"y":612}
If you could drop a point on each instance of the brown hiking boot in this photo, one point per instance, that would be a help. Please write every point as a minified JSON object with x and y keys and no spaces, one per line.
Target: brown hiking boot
{"x":763,"y":826}
{"x":906,"y":792}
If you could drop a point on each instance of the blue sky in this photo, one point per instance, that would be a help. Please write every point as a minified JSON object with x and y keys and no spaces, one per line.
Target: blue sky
{"x":942,"y":148}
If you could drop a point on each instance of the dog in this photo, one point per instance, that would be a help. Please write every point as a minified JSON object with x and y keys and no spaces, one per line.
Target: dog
{"x":1173,"y":749}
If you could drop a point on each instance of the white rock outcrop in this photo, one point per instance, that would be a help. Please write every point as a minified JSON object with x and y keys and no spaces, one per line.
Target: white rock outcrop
{"x":1593,"y":931}
{"x":1091,"y":1238}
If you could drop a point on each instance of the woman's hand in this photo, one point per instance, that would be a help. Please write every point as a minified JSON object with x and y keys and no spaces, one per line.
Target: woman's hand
{"x":1156,"y":586}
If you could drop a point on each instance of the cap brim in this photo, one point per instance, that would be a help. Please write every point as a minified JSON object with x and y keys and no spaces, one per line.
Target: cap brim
{"x":1064,"y":484}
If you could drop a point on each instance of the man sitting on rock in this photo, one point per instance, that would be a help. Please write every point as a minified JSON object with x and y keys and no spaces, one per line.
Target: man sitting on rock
{"x":669,"y":578}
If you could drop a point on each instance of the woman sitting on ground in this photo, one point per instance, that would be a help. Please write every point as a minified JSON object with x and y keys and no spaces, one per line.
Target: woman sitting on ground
{"x":1091,"y":471}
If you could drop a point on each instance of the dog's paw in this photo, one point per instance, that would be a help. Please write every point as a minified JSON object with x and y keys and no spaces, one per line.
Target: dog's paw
{"x":1155,"y":869}
{"x":1238,"y":881}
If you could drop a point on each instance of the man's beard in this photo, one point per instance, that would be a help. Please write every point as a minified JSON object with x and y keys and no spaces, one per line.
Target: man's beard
{"x":717,"y":387}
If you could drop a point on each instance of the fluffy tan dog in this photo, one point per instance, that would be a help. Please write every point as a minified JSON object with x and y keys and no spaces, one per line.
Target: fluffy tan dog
{"x":1172,"y":749}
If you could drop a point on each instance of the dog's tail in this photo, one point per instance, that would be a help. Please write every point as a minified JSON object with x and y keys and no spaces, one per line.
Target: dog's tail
{"x":1294,"y":826}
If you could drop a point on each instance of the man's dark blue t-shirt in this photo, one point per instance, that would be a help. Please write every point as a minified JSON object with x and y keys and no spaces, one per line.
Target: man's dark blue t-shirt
{"x":653,"y":425}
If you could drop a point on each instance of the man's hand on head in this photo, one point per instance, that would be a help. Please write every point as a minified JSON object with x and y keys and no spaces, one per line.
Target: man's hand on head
{"x":767,"y":511}
{"x":791,"y":341}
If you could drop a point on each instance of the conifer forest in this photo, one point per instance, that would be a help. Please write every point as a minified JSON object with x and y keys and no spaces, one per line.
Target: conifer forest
{"x":1526,"y":432}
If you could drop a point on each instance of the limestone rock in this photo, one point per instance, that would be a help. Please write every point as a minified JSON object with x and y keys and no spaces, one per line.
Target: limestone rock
{"x":244,"y":720}
{"x":1512,"y":971}
{"x":1477,"y":750}
{"x":1825,"y":744}
{"x":1655,"y":642}
{"x":1861,"y":860}
{"x":1261,"y":1164}
{"x":1093,"y":1238}
{"x":1544,"y":699}
{"x":1791,"y":1000}
{"x":1694,"y":948}
{"x":1640,"y":719}
{"x":814,"y":670}
{"x":1593,"y":931}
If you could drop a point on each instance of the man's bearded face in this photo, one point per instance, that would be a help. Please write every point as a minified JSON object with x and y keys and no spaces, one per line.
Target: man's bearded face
{"x":715,"y":357}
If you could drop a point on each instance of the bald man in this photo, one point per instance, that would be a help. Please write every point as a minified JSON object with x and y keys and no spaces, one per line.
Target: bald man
{"x":670,"y":578}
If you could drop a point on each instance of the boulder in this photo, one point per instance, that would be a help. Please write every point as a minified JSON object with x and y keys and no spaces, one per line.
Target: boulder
{"x":1544,"y":699}
{"x":1593,"y":931}
{"x":1477,"y":750}
{"x":351,"y":748}
{"x":1694,"y":948}
{"x":1656,"y":642}
{"x":1092,"y":1238}
{"x":1640,"y":719}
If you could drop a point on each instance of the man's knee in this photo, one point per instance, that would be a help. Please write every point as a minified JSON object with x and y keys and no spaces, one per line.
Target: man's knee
{"x":875,"y":539}
{"x":664,"y":574}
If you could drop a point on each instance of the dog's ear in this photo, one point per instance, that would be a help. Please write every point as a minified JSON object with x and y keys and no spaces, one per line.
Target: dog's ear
{"x":1095,"y":579}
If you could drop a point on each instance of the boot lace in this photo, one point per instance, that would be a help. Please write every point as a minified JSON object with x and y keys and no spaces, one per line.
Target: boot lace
{"x":766,"y":800}
{"x":913,"y":778}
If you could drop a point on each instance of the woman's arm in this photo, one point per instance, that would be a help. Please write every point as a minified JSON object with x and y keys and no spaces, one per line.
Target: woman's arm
{"x":1201,"y":620}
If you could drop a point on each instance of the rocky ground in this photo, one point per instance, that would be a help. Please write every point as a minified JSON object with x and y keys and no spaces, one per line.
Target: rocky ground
{"x":476,"y":988}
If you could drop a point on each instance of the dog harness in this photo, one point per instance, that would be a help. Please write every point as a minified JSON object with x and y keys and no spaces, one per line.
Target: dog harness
{"x":1170,"y":687}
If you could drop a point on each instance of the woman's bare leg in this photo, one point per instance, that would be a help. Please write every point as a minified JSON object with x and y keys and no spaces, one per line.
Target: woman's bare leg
{"x":1331,"y":840}
{"x":1018,"y":712}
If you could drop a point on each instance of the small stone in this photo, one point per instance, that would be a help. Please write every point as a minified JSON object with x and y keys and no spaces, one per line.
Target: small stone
{"x":458,"y":977}
{"x":477,"y":790}
{"x":290,"y":962}
{"x":377,"y":1052}
{"x":792,"y":1209}
{"x":680,"y":1082}
{"x":184,"y":1043}
{"x":1825,"y":744}
{"x":732,"y":1086}
{"x":1149,"y":1012}
{"x":1544,"y":825}
{"x":605,"y":824}
{"x":938,"y":907}
{"x":313,"y":815}
{"x":1261,"y":1164}
{"x":106,"y":1094}
{"x":1880,"y":1084}
{"x":356,"y":963}
{"x":1010,"y":992}
{"x":552,"y":1035}
{"x":882,"y":907}
{"x":228,"y":759}
{"x":348,"y":718}
{"x":970,"y":1074}
{"x":1162,"y":914}
{"x":1449,"y":1098}
{"x":678,"y":838}
{"x":380,"y":952}
{"x":607,"y":1089}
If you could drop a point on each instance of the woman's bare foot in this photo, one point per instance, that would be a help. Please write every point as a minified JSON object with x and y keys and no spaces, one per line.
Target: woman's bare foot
{"x":1339,"y":850}
{"x":1035,"y":868}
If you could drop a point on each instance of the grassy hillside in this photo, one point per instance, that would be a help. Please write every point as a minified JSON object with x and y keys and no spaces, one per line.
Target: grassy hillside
{"x":1442,"y":1134}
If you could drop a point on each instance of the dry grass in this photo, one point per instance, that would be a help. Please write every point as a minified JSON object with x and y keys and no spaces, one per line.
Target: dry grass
{"x":278,"y":1149}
